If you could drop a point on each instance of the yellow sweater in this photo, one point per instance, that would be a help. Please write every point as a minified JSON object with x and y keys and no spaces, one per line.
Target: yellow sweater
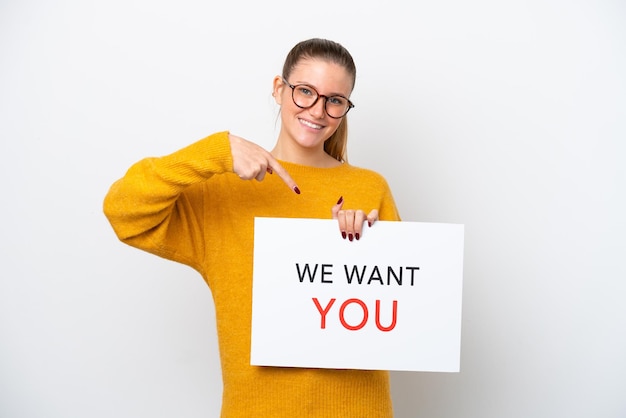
{"x":191,"y":208}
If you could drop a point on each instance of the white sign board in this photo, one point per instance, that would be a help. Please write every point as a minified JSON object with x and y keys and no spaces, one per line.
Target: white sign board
{"x":389,"y":301}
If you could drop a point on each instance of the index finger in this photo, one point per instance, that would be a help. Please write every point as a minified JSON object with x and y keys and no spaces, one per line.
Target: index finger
{"x":283,"y":174}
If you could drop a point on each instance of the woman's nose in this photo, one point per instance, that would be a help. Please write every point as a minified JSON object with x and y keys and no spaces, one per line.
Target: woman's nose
{"x":318,"y":109}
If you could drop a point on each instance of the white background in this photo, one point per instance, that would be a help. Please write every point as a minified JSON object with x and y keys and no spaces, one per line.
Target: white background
{"x":507,"y":117}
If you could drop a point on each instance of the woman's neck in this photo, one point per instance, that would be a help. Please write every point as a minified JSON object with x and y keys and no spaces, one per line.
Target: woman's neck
{"x":314,"y":157}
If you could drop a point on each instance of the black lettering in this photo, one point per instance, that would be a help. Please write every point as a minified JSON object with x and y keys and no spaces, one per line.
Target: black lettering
{"x":390,"y":273}
{"x":306,"y":270}
{"x":412,"y":269}
{"x":375,"y":276}
{"x":350,"y":276}
{"x":326,"y":273}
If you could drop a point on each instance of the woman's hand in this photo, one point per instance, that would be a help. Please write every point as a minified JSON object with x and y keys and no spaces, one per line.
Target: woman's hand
{"x":250,"y":161}
{"x":351,"y":221}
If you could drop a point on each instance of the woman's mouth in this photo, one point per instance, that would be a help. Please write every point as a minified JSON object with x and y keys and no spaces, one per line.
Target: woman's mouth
{"x":310,"y":124}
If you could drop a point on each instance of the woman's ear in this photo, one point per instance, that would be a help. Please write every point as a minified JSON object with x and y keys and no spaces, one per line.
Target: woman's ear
{"x":277,"y":90}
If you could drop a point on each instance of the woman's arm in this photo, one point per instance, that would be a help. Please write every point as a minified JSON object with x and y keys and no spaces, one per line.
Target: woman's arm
{"x":157,"y":205}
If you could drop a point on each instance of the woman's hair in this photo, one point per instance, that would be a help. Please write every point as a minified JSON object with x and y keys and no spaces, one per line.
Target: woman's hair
{"x":336,"y":145}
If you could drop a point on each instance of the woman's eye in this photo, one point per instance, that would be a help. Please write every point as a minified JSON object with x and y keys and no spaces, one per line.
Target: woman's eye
{"x":338,"y":101}
{"x":305,"y":91}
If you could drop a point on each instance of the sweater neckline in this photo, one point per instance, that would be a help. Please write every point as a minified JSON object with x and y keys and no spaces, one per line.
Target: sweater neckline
{"x":300,"y":168}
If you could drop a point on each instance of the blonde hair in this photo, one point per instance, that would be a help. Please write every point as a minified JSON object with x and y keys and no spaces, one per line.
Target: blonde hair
{"x":337,"y":144}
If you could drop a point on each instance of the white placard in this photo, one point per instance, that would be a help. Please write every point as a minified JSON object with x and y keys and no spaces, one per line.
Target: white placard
{"x":389,"y":301}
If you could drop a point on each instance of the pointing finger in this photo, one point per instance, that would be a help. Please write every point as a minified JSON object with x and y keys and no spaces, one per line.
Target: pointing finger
{"x":275,"y":167}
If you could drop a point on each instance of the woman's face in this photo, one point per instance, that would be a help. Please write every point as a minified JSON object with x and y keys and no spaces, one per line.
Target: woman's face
{"x":309,"y":128}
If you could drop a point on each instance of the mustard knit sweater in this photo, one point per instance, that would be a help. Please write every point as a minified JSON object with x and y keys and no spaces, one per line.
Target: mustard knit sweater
{"x":190,"y":207}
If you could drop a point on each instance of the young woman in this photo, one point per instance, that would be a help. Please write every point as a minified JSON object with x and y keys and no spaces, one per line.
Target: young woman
{"x":197,"y":206}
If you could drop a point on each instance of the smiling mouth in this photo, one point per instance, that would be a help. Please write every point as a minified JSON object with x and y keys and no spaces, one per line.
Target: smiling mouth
{"x":310,"y":124}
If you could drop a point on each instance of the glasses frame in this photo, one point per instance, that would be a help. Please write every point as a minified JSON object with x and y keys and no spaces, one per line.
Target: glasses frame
{"x":293,"y":91}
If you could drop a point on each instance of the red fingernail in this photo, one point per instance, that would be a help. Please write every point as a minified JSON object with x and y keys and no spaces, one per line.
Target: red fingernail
{"x":343,"y":234}
{"x":340,"y":200}
{"x":357,"y":236}
{"x":295,"y":189}
{"x":350,"y":237}
{"x":369,"y":223}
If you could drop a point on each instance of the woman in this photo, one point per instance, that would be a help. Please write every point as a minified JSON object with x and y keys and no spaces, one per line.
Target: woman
{"x":195,"y":207}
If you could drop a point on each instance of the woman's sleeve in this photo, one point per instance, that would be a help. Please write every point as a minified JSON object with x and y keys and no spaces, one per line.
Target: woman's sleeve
{"x":158,"y":205}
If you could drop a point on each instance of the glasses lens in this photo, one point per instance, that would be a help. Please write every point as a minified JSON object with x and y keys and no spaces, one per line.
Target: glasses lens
{"x":304,"y":96}
{"x":337,"y":106}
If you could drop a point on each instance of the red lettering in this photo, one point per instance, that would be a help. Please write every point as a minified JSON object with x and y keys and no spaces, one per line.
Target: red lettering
{"x":323,"y":312}
{"x":342,"y":314}
{"x":343,"y":320}
{"x":393,"y":320}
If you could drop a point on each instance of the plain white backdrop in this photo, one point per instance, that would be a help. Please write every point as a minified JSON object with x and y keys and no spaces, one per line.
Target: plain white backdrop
{"x":507,"y":117}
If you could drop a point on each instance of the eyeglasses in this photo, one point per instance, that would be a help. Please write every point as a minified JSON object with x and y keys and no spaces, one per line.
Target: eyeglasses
{"x":305,"y":96}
